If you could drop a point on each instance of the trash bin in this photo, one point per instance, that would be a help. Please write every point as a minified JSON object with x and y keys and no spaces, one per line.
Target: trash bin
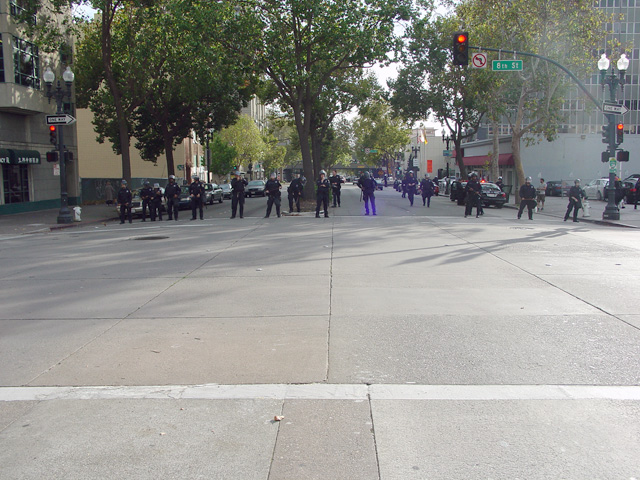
{"x":76,"y":214}
{"x":507,"y":190}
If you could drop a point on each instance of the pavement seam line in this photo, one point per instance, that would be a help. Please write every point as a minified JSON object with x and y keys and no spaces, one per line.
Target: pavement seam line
{"x":326,"y":378}
{"x":534,"y":275}
{"x":275,"y":442}
{"x":373,"y":434}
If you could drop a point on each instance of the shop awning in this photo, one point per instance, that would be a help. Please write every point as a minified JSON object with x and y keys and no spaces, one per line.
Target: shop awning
{"x":19,"y":157}
{"x":480,"y":160}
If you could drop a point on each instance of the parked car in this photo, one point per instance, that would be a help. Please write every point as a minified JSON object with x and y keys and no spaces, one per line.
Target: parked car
{"x":255,"y":187}
{"x":212,"y":193}
{"x":136,"y":203}
{"x":556,"y":188}
{"x":226,"y":190}
{"x":492,"y":195}
{"x":629,"y":188}
{"x":379,"y":183}
{"x":184,"y":202}
{"x":595,"y":188}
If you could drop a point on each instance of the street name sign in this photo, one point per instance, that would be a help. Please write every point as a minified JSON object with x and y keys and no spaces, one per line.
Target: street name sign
{"x":612,"y":165}
{"x":506,"y":65}
{"x":614,"y":108}
{"x":60,"y":119}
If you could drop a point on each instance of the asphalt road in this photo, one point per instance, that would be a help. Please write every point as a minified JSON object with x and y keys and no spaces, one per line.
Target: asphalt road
{"x":416,"y":344}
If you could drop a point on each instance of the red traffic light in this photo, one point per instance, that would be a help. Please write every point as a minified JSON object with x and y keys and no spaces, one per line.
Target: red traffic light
{"x":462,"y":38}
{"x":52,"y":128}
{"x":620,"y":126}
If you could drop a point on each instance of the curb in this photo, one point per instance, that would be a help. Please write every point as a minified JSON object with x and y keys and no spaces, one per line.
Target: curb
{"x":607,"y":223}
{"x":80,"y":224}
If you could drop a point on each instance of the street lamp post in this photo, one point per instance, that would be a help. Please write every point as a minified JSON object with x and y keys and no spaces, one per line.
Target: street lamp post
{"x":414,"y":151}
{"x":611,"y":211}
{"x":64,"y":215}
{"x":447,"y":139}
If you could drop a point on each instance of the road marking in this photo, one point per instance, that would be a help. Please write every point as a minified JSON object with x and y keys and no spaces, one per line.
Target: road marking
{"x":324,"y":392}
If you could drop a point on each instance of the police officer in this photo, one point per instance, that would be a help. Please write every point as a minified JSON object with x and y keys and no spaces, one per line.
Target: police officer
{"x":196,"y":194}
{"x":527,"y":198}
{"x":322,"y":194}
{"x":335,"y":182}
{"x":576,"y":194}
{"x":146,"y":195}
{"x":272,"y":189}
{"x":428,"y":189}
{"x":237,"y":194}
{"x":499,"y":183}
{"x":172,"y":194}
{"x":410,"y":185}
{"x":473,"y":190}
{"x":368,"y":187}
{"x":156,"y":203}
{"x":124,"y":201}
{"x":295,"y":192}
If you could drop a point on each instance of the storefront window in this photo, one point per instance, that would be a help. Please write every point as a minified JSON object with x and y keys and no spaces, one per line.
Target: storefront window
{"x":26,"y":63}
{"x":16,"y":183}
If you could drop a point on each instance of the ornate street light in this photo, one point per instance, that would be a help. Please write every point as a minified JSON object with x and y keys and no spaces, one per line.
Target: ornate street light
{"x":64,"y":215}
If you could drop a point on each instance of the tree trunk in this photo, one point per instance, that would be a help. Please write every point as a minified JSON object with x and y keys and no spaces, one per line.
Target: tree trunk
{"x":123,"y":129}
{"x":495,"y":166}
{"x":517,"y":162}
{"x":168,"y":151}
{"x":303,"y":128}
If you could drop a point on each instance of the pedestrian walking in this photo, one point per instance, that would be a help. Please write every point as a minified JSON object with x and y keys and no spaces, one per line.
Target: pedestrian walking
{"x":322,"y":194}
{"x":238,"y":183}
{"x":124,"y":202}
{"x":196,"y":194}
{"x":368,"y":187}
{"x":527,"y":198}
{"x":472,"y":190}
{"x":295,"y":192}
{"x":410,"y":185}
{"x":576,"y":194}
{"x":541,"y":193}
{"x":156,"y":203}
{"x":336,"y":181}
{"x":172,"y":194}
{"x":146,"y":195}
{"x":272,"y":190}
{"x":427,"y":188}
{"x":109,"y":193}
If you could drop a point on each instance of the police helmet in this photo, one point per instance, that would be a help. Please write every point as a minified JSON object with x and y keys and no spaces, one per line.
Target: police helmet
{"x":499,"y":178}
{"x":156,"y":185}
{"x":273,"y":175}
{"x":196,"y":177}
{"x":474,"y":175}
{"x":322,"y":172}
{"x":123,"y":182}
{"x":528,"y":179}
{"x":147,"y":183}
{"x":577,"y":181}
{"x":367,"y":175}
{"x":172,"y":177}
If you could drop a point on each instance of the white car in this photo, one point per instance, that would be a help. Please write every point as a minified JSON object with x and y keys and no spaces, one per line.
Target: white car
{"x":595,"y":188}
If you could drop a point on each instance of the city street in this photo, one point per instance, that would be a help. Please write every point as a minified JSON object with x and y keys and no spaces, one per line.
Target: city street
{"x":416,"y":344}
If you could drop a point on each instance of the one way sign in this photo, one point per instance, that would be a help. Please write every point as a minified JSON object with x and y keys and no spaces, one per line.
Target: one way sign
{"x":614,"y":108}
{"x":60,"y":119}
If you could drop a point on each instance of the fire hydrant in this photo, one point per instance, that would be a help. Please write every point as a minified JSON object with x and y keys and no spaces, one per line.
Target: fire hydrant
{"x":76,"y":214}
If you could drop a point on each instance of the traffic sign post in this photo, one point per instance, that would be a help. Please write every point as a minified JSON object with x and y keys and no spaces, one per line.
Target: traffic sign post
{"x":506,"y":65}
{"x":479,"y":60}
{"x":65,"y":119}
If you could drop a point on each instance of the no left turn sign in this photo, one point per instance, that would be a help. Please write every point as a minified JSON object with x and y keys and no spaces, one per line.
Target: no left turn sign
{"x":479,"y":60}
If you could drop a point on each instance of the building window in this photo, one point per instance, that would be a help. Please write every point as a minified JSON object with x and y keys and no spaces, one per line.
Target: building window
{"x":16,"y":183}
{"x":18,"y":8}
{"x":1,"y":61}
{"x":26,"y":63}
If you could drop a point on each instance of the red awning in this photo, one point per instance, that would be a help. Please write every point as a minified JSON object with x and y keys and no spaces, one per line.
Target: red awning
{"x":480,"y":160}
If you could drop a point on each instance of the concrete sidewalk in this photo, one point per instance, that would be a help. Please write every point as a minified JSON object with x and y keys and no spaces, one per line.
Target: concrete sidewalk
{"x":557,"y":207}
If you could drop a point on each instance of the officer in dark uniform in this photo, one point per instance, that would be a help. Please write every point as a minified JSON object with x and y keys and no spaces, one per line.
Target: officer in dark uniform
{"x":124,"y":202}
{"x":146,"y":195}
{"x":368,"y":187}
{"x":410,"y":186}
{"x":322,"y":194}
{"x":172,"y":194}
{"x":272,"y":189}
{"x":527,"y":198}
{"x":428,"y":188}
{"x":473,"y":191}
{"x":499,"y":183}
{"x":295,"y":192}
{"x":156,"y":203}
{"x":196,"y":194}
{"x":576,"y":194}
{"x":237,"y":194}
{"x":335,"y":182}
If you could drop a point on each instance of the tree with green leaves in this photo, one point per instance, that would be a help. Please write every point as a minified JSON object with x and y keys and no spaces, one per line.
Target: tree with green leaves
{"x":245,"y":137}
{"x":223,"y":156}
{"x":302,"y":44}
{"x":566,"y":32}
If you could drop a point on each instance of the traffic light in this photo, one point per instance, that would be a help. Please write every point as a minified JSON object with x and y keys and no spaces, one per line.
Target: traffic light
{"x":623,"y":156}
{"x":619,"y":133}
{"x":607,"y":133}
{"x":53,"y":134}
{"x":461,"y":48}
{"x":52,"y":157}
